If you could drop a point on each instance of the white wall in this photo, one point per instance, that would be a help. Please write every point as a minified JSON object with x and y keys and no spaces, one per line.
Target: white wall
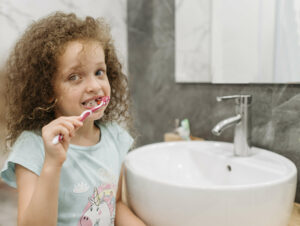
{"x":15,"y":15}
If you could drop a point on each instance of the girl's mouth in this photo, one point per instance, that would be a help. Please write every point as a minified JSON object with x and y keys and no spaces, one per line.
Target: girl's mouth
{"x":92,"y":103}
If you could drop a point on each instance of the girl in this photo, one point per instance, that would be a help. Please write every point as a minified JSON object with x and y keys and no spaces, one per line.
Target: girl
{"x":60,"y":67}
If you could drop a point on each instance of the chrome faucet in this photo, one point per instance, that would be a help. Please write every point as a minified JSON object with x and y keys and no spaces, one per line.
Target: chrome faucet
{"x":242,"y":122}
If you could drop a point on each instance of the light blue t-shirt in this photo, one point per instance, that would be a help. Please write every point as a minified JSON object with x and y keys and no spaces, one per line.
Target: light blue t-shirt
{"x":89,"y":176}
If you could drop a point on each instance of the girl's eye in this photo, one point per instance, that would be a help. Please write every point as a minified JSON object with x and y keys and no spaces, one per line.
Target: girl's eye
{"x":99,"y":72}
{"x":74,"y":77}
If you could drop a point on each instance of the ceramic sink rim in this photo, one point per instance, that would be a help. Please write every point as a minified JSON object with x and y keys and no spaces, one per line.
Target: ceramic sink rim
{"x":292,"y":172}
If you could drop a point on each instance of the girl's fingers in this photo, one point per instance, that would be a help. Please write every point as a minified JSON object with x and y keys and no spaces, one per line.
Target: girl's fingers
{"x":69,"y":126}
{"x":63,"y":131}
{"x":65,"y":126}
{"x":72,"y":123}
{"x":75,"y":121}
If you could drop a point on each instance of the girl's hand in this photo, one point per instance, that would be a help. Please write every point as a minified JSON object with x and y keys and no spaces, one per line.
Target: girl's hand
{"x":56,"y":153}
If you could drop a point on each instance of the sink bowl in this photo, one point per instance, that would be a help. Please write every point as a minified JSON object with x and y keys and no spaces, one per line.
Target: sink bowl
{"x":203,"y":183}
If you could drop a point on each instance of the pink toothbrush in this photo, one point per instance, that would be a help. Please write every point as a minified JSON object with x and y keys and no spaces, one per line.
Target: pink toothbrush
{"x":84,"y":115}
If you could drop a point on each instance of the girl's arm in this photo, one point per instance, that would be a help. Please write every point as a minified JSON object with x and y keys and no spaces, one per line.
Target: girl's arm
{"x":38,"y":195}
{"x":124,"y":216}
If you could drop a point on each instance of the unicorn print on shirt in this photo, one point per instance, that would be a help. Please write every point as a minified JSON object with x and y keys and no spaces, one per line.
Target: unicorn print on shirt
{"x":100,"y":210}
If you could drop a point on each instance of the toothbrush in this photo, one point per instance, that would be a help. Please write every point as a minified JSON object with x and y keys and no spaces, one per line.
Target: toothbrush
{"x":84,"y":115}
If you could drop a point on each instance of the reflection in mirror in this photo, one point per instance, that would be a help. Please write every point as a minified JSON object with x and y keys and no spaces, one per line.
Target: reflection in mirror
{"x":237,"y":41}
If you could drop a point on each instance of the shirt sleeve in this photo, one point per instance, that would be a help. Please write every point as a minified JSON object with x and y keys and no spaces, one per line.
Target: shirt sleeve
{"x":125,"y":142}
{"x":122,"y":138}
{"x":28,"y":151}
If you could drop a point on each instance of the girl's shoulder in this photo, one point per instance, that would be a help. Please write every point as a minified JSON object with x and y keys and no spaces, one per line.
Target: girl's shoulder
{"x":28,"y":145}
{"x":116,"y":132}
{"x":114,"y":129}
{"x":27,"y":151}
{"x":28,"y":137}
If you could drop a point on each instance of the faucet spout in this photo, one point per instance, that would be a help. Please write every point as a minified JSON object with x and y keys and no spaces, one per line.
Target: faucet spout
{"x":242,"y":122}
{"x":224,"y":124}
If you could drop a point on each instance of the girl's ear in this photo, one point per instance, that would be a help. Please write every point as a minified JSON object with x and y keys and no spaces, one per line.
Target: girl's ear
{"x":51,"y":100}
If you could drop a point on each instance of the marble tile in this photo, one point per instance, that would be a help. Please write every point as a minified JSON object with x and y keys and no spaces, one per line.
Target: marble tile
{"x":288,"y":41}
{"x":193,"y":35}
{"x":243,"y":35}
{"x":15,"y":15}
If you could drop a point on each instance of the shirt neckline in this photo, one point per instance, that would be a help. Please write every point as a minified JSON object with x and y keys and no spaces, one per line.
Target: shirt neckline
{"x":91,"y":147}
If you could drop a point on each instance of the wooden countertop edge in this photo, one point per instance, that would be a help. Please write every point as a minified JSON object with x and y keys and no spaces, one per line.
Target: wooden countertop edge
{"x":295,"y":218}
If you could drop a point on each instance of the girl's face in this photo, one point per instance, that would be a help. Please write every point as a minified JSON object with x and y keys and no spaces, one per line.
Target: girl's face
{"x":81,"y":79}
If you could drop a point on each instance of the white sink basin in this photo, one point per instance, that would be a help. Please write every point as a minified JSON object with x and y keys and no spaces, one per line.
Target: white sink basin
{"x":202,"y":183}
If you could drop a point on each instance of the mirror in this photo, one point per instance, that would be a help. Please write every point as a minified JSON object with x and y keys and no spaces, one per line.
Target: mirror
{"x":237,"y":41}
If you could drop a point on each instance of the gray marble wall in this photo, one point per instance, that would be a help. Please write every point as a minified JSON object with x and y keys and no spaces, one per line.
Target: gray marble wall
{"x":158,"y":100}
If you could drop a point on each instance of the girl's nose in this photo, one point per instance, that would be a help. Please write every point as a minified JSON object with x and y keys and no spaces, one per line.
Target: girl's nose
{"x":93,"y":84}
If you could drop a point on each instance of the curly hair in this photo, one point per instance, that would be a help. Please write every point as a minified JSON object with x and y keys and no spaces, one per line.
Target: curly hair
{"x":33,"y":62}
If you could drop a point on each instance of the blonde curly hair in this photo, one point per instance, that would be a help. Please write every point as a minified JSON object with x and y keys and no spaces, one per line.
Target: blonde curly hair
{"x":32,"y":64}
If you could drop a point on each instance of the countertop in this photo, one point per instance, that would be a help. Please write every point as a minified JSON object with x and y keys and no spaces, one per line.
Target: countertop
{"x":295,"y":218}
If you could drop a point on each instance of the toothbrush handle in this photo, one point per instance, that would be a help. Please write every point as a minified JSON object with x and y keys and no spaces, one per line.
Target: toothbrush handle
{"x":57,"y":138}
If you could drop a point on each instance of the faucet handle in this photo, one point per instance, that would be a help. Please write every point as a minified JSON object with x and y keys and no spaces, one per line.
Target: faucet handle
{"x":246,"y":99}
{"x":219,"y":99}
